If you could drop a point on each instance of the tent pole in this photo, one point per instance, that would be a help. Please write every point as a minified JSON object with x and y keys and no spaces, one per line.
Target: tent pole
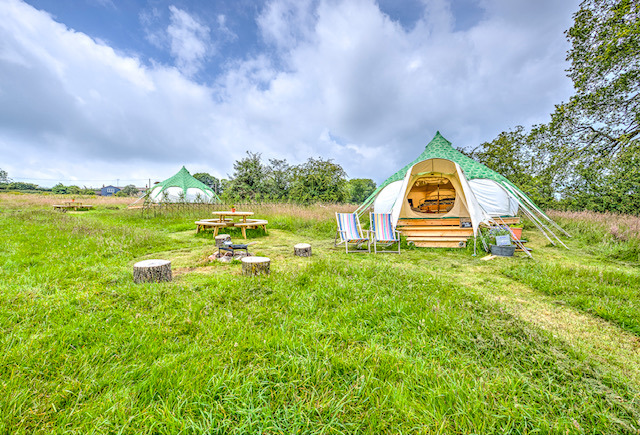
{"x":534,"y":207}
{"x":552,"y":233}
{"x":541,"y":226}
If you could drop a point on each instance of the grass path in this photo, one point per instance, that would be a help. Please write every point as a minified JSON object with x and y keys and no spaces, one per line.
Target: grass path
{"x":601,"y":342}
{"x":597,"y":339}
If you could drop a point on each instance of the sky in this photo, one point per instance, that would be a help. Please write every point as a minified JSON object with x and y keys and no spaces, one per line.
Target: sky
{"x":98,"y":92}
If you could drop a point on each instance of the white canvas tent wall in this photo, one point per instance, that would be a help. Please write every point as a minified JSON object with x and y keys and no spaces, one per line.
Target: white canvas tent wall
{"x":182,"y":187}
{"x":481,"y":194}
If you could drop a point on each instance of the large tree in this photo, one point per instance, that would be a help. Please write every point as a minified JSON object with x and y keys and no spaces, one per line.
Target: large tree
{"x":4,"y":177}
{"x":585,"y":155}
{"x":247,"y":182}
{"x":524,"y":160}
{"x":603,"y":117}
{"x":278,"y":179}
{"x":128,"y":190}
{"x":60,"y":189}
{"x":208,"y":180}
{"x":359,"y":189}
{"x":319,"y":180}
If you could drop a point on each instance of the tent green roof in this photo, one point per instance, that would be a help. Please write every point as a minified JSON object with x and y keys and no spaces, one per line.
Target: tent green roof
{"x":185,"y":180}
{"x":440,"y":148}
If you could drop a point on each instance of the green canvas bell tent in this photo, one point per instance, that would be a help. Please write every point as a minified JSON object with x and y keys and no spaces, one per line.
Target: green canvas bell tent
{"x":443,"y":184}
{"x":182,"y":187}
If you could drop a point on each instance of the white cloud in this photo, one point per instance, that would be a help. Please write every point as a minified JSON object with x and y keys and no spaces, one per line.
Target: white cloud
{"x":285,"y":23}
{"x":156,"y":36}
{"x":223,"y":30}
{"x":342,"y":80}
{"x":104,"y":3}
{"x":190,"y":41}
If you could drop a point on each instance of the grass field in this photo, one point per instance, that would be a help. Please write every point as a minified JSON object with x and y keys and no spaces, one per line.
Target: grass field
{"x":429,"y":341}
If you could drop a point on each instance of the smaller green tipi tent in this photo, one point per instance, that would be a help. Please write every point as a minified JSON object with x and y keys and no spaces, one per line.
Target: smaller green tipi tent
{"x":182,"y":187}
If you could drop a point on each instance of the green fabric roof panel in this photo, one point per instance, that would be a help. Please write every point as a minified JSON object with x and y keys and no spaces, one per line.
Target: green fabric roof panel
{"x":441,"y":148}
{"x":183,"y":180}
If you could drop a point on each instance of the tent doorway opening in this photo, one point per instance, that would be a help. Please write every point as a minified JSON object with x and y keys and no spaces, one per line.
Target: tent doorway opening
{"x":432,"y":194}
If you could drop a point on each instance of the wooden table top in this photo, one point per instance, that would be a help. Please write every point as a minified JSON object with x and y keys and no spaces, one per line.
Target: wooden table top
{"x":232,"y":213}
{"x":73,"y":204}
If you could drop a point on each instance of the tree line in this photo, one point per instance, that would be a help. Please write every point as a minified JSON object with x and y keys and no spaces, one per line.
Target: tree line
{"x":588,"y":155}
{"x":6,"y":183}
{"x":316,"y":180}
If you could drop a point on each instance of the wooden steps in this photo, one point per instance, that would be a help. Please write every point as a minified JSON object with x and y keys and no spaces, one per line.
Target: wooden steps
{"x":430,"y":222}
{"x":437,"y":231}
{"x":438,"y":242}
{"x":440,"y":233}
{"x":441,"y":244}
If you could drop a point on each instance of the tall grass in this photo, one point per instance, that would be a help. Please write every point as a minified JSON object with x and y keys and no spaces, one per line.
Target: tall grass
{"x":15,"y":200}
{"x":621,"y":227}
{"x":612,"y":235}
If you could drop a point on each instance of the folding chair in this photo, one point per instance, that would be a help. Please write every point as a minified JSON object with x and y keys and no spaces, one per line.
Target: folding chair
{"x":350,"y":231}
{"x":384,"y":232}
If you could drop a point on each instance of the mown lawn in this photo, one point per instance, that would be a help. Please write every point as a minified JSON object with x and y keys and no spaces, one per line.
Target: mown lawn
{"x":415,"y":343}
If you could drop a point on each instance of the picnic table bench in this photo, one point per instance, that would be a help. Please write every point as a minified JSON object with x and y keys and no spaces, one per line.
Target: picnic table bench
{"x":251,"y":224}
{"x":72,"y":206}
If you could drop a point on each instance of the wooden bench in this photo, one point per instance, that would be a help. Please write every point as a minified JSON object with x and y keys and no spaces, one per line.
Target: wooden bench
{"x":76,"y":206}
{"x":206,"y":224}
{"x":251,"y":224}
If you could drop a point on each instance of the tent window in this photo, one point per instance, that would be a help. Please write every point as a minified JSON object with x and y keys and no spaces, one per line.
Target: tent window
{"x":432,"y":194}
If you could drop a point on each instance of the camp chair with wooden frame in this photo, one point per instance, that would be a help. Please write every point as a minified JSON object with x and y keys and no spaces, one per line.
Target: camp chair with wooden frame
{"x":350,"y":231}
{"x":384,"y":232}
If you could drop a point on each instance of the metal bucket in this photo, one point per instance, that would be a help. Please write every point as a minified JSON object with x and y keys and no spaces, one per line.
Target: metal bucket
{"x":503,"y":251}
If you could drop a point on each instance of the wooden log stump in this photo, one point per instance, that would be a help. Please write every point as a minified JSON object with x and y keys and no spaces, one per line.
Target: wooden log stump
{"x":152,"y":271}
{"x":221,"y":238}
{"x":252,"y":266}
{"x":302,"y":250}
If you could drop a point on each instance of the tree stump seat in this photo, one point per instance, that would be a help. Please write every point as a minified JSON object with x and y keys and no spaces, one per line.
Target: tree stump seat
{"x":152,"y":271}
{"x":254,"y":266}
{"x":302,"y":250}
{"x":221,"y":239}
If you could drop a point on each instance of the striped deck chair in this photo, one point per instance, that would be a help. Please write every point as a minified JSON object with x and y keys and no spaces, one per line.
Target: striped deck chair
{"x":350,"y":231}
{"x":384,"y":232}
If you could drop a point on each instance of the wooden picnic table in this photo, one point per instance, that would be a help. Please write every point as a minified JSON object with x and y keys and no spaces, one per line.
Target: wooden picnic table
{"x":72,"y":206}
{"x":225,"y":219}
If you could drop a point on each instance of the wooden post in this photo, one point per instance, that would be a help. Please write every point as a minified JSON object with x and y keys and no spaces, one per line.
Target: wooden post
{"x":302,"y":250}
{"x":252,"y":266}
{"x":152,"y":271}
{"x":221,"y":238}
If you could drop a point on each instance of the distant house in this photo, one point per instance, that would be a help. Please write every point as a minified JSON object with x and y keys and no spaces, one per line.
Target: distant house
{"x":109,"y":190}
